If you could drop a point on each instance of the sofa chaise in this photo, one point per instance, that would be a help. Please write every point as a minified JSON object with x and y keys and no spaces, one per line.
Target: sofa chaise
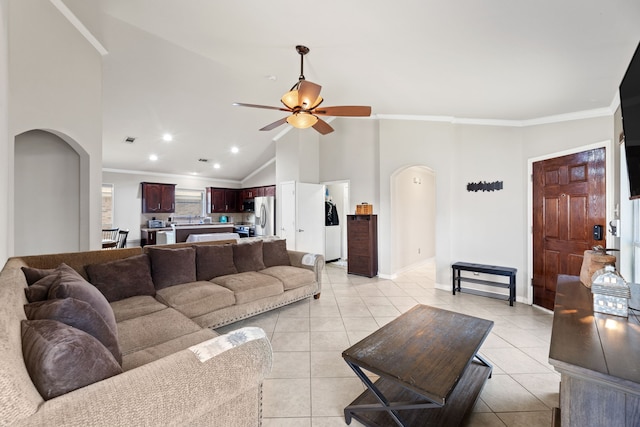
{"x":126,"y":336}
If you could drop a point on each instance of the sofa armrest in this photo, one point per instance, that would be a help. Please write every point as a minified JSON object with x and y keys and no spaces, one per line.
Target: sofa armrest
{"x":176,"y":390}
{"x":313,"y":262}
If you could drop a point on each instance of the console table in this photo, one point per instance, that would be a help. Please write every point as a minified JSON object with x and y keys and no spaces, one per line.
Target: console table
{"x":429,"y":368}
{"x":486,"y":269}
{"x":597,"y":357}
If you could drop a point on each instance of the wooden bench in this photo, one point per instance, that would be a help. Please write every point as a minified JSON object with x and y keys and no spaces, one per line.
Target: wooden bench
{"x":510,"y":272}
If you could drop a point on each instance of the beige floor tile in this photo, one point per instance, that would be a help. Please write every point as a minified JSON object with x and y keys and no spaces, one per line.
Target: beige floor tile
{"x":545,"y":387}
{"x":327,"y":324}
{"x":310,"y":383}
{"x":291,"y":364}
{"x":292,"y":324}
{"x":330,"y":395}
{"x":484,"y":419}
{"x":526,"y":419}
{"x":514,"y":361}
{"x":290,"y":341}
{"x":329,"y":341}
{"x":502,"y":393}
{"x":333,"y":422}
{"x":287,"y":422}
{"x":286,"y":398}
{"x":368,"y":324}
{"x":329,"y":364}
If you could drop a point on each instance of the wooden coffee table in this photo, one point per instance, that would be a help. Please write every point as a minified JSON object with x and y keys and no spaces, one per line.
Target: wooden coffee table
{"x":429,"y":369}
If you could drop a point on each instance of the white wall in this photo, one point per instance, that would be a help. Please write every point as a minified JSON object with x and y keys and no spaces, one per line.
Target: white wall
{"x":351,"y":153}
{"x":413,"y":217}
{"x":5,"y":166}
{"x":47,"y":194}
{"x":127,"y":193}
{"x":264,"y":176}
{"x":56,"y":85}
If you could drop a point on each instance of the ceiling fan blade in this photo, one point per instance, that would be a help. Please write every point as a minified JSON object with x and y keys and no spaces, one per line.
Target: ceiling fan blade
{"x":322,"y":127}
{"x":345,"y":110}
{"x":308,"y":94}
{"x":267,"y":107}
{"x":275,"y":124}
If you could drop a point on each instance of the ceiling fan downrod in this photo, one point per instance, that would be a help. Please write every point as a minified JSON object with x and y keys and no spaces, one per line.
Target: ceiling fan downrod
{"x":302,"y":50}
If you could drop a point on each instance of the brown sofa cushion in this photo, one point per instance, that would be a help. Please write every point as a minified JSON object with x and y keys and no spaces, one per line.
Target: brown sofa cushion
{"x":248,"y":256}
{"x":172,"y":266}
{"x":122,"y":278}
{"x":39,"y":291}
{"x":34,"y":274}
{"x":196,"y":298}
{"x":71,"y":285}
{"x":250,"y":286}
{"x":60,"y":358}
{"x":291,"y":277}
{"x":274,"y":252}
{"x":80,"y":315}
{"x":213,"y":261}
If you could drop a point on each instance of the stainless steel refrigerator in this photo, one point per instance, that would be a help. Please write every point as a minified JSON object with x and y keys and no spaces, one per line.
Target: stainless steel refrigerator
{"x":265,"y":216}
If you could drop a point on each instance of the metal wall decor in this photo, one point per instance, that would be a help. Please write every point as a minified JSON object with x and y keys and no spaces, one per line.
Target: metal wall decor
{"x":484,"y":186}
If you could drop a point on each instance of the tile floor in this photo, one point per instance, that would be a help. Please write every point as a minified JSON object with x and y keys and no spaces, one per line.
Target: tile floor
{"x":310,"y":384}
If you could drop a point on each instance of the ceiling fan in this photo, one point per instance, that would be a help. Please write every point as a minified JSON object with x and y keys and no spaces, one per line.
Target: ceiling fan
{"x":303,"y":102}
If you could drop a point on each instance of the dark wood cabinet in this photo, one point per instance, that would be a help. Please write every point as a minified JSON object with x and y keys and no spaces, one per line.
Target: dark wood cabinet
{"x":158,"y":198}
{"x":362,"y":245}
{"x":270,"y":190}
{"x":222,"y":200}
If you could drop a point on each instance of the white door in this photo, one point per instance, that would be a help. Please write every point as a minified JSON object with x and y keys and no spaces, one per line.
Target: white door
{"x":310,"y":218}
{"x":288,"y":214}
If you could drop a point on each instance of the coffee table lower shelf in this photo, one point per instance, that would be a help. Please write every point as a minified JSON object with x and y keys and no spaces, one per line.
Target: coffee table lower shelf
{"x":368,"y":410}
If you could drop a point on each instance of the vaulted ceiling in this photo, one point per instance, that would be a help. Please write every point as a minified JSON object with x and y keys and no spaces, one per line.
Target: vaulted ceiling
{"x":177,"y":67}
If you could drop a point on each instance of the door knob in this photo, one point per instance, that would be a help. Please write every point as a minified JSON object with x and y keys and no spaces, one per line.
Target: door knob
{"x":300,"y":230}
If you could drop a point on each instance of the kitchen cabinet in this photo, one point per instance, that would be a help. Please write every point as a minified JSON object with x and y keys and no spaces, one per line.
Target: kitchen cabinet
{"x":221,"y":200}
{"x":158,"y":198}
{"x":362,"y":245}
{"x":270,"y":190}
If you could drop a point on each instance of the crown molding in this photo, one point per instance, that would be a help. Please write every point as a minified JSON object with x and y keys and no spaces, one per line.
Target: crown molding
{"x":73,"y":19}
{"x":170,"y":175}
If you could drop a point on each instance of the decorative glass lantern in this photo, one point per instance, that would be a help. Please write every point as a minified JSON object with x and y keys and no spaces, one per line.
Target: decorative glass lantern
{"x":610,"y":292}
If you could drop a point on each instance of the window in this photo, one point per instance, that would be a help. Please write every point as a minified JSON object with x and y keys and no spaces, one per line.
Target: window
{"x":107,"y":205}
{"x":189,"y":202}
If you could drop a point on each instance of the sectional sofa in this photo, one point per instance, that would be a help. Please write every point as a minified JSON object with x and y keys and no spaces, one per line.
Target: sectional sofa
{"x":126,"y":336}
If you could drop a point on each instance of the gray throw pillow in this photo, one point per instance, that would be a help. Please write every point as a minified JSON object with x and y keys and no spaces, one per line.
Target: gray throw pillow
{"x":60,"y":358}
{"x":34,"y":274}
{"x":70,"y":284}
{"x":122,"y":278}
{"x":172,"y":266}
{"x":39,"y":291}
{"x":248,"y":256}
{"x":213,"y":261}
{"x":274,"y":252}
{"x":79,"y":315}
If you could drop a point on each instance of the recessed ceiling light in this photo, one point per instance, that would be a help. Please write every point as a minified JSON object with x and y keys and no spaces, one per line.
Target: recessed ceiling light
{"x":234,"y":150}
{"x":216,"y":165}
{"x":153,"y":157}
{"x":167,"y":137}
{"x":194,"y":173}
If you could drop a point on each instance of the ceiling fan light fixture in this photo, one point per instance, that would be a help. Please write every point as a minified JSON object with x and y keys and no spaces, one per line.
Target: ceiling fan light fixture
{"x":302,"y":120}
{"x":290,"y":99}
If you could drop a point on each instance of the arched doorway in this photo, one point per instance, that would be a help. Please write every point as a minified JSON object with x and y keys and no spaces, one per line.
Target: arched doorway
{"x":47,"y":193}
{"x":413,"y":217}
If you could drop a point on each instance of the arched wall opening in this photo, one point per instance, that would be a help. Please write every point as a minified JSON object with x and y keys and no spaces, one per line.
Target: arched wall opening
{"x":51,"y":193}
{"x":413,"y":217}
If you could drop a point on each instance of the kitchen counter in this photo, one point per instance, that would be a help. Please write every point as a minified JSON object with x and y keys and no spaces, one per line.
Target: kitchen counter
{"x":148,"y":235}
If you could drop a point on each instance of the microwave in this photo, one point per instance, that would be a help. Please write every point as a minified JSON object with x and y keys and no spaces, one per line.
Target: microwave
{"x":155,"y":223}
{"x":248,"y":205}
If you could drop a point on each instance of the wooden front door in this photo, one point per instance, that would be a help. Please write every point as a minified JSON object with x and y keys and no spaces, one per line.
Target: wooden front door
{"x":568,"y":201}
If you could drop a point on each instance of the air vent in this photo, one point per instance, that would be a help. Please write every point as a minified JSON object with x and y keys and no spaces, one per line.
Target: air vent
{"x":129,"y":140}
{"x":203,"y":160}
